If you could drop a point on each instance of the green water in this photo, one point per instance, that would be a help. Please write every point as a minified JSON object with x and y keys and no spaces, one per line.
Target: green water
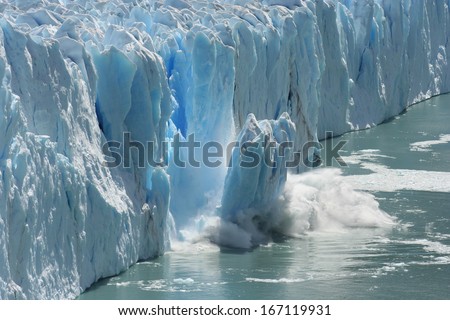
{"x":410,"y":180}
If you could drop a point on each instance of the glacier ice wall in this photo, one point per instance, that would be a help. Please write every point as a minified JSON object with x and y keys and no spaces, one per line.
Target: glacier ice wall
{"x":75,"y":74}
{"x":67,"y":220}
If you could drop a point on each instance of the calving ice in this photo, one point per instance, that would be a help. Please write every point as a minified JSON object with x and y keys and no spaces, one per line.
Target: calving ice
{"x":78,"y":74}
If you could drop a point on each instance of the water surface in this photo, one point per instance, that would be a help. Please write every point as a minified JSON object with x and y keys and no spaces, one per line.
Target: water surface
{"x":404,"y":163}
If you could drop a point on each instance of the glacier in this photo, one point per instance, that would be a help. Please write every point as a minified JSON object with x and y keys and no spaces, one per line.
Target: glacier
{"x":76,"y":74}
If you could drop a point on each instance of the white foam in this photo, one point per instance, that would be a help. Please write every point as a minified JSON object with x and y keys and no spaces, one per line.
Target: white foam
{"x":183,"y":281}
{"x":430,"y":246}
{"x":390,"y":180}
{"x":127,"y":283}
{"x":161,"y":285}
{"x":425,"y":146}
{"x":441,"y":260}
{"x":320,"y":201}
{"x":325,"y":201}
{"x":440,"y":236}
{"x":415,"y":211}
{"x":386,"y":179}
{"x":282,"y":280}
{"x":206,"y":231}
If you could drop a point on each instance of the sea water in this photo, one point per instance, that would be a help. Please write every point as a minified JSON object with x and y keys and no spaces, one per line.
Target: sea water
{"x":404,"y":164}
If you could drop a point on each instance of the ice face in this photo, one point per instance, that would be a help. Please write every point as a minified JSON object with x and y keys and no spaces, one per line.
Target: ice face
{"x":66,"y":219}
{"x":256,"y":178}
{"x":76,"y":74}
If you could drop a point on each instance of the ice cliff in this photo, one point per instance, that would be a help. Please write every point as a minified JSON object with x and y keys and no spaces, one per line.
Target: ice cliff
{"x":76,"y":74}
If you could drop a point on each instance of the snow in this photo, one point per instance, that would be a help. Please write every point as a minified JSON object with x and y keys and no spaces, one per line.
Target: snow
{"x":76,"y":74}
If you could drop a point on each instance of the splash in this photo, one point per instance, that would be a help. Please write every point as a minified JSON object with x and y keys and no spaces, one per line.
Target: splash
{"x":319,"y":201}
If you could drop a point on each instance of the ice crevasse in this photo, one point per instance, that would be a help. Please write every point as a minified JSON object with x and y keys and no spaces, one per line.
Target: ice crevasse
{"x":76,"y":74}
